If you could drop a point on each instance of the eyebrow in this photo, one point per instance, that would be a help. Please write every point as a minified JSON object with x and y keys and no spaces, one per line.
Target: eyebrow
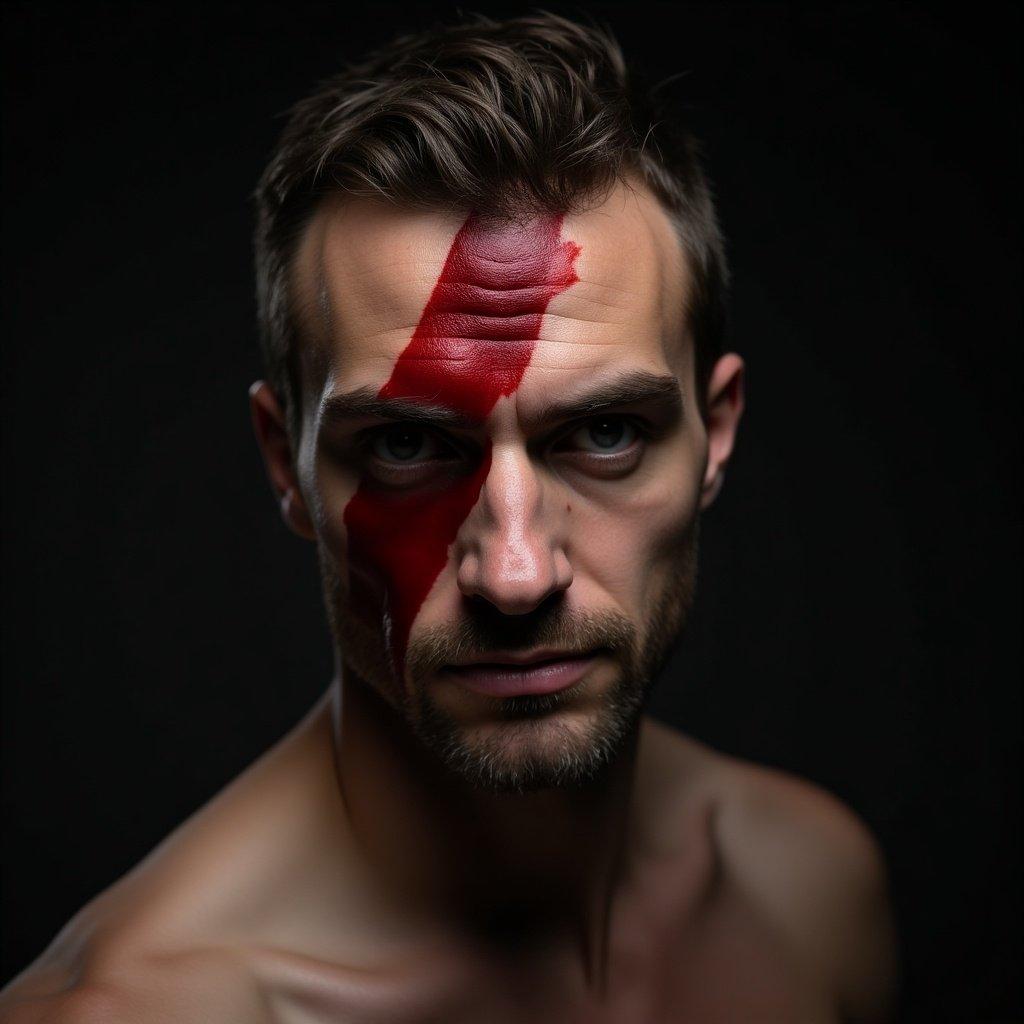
{"x":366,"y":403}
{"x":628,"y":388}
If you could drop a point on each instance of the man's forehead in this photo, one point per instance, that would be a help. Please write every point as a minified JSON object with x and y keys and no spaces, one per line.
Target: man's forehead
{"x":366,"y":272}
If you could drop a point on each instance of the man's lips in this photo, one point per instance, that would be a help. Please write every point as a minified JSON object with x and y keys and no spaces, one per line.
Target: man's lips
{"x":517,"y":675}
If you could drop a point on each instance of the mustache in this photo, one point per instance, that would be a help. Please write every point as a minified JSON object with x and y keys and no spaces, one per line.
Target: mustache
{"x":473,"y":638}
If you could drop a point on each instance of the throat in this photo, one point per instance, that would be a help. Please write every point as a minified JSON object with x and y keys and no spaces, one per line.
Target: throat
{"x":506,"y":868}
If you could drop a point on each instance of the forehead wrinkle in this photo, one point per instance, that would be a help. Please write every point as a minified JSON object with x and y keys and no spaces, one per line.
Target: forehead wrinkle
{"x":371,"y":296}
{"x":371,"y":283}
{"x":621,"y":270}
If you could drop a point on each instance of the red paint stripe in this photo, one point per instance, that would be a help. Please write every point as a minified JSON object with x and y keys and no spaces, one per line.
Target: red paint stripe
{"x":471,"y":347}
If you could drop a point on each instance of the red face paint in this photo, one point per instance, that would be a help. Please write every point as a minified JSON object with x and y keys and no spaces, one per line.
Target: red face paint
{"x":472,"y":346}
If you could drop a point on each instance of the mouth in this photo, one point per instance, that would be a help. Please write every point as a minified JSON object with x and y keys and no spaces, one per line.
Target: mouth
{"x":518,"y":675}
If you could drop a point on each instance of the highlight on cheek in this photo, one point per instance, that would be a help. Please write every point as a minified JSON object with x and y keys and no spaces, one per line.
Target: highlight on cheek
{"x":470,"y":348}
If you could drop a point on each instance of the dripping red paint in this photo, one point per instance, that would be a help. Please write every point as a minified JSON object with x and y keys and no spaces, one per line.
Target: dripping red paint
{"x":471,"y":347}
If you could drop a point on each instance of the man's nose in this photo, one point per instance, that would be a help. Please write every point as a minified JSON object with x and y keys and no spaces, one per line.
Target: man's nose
{"x":511,"y":548}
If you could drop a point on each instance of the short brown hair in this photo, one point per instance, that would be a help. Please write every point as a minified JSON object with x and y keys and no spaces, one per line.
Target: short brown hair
{"x":534,"y":113}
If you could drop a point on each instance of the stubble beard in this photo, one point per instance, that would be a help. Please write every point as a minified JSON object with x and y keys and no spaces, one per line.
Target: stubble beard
{"x":532,"y":746}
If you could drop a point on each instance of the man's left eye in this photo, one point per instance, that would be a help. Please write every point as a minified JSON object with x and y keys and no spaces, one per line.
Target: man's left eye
{"x":606,"y":435}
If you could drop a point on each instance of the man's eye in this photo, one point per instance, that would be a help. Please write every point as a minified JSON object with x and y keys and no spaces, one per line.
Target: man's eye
{"x":404,"y":444}
{"x":605,"y":435}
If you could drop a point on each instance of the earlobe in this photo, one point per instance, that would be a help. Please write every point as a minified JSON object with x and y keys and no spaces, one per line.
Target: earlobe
{"x":270,"y":426}
{"x":295,"y":514}
{"x":712,"y":485}
{"x":725,"y":400}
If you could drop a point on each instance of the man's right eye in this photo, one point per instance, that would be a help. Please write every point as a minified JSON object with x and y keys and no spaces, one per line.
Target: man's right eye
{"x":406,"y":455}
{"x":403,"y":444}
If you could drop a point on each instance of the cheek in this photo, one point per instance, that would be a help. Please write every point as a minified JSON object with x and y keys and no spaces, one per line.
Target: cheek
{"x":360,"y":594}
{"x":333,"y":489}
{"x":634,"y":536}
{"x":393,"y":544}
{"x":367,"y":537}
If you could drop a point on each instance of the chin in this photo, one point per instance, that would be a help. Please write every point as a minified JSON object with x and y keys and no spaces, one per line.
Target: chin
{"x":532,"y":743}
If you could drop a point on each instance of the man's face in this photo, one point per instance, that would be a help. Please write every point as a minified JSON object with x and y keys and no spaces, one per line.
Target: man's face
{"x":503,"y":459}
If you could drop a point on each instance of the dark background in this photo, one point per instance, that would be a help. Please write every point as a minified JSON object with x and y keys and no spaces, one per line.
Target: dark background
{"x":858,"y":621}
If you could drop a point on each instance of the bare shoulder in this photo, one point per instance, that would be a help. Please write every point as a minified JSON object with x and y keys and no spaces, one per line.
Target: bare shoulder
{"x":175,"y":939}
{"x":795,"y":855}
{"x":771,"y":828}
{"x":813,"y":869}
{"x":78,"y":982}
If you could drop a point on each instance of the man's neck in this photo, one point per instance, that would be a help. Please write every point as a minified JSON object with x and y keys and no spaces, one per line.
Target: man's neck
{"x":504,"y":867}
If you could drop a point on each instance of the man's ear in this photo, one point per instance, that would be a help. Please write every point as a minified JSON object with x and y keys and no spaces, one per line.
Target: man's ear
{"x":268,"y":421}
{"x":724,"y":408}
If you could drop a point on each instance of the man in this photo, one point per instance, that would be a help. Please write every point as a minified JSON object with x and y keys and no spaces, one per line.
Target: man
{"x":497,"y":402}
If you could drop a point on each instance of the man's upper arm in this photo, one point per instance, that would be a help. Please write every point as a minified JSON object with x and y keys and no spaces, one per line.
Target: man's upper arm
{"x":818,"y":875}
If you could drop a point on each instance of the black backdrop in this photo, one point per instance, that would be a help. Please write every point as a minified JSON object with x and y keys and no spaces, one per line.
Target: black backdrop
{"x":858,"y":621}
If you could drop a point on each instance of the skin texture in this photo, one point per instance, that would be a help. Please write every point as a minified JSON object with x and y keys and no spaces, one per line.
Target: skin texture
{"x":416,"y":851}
